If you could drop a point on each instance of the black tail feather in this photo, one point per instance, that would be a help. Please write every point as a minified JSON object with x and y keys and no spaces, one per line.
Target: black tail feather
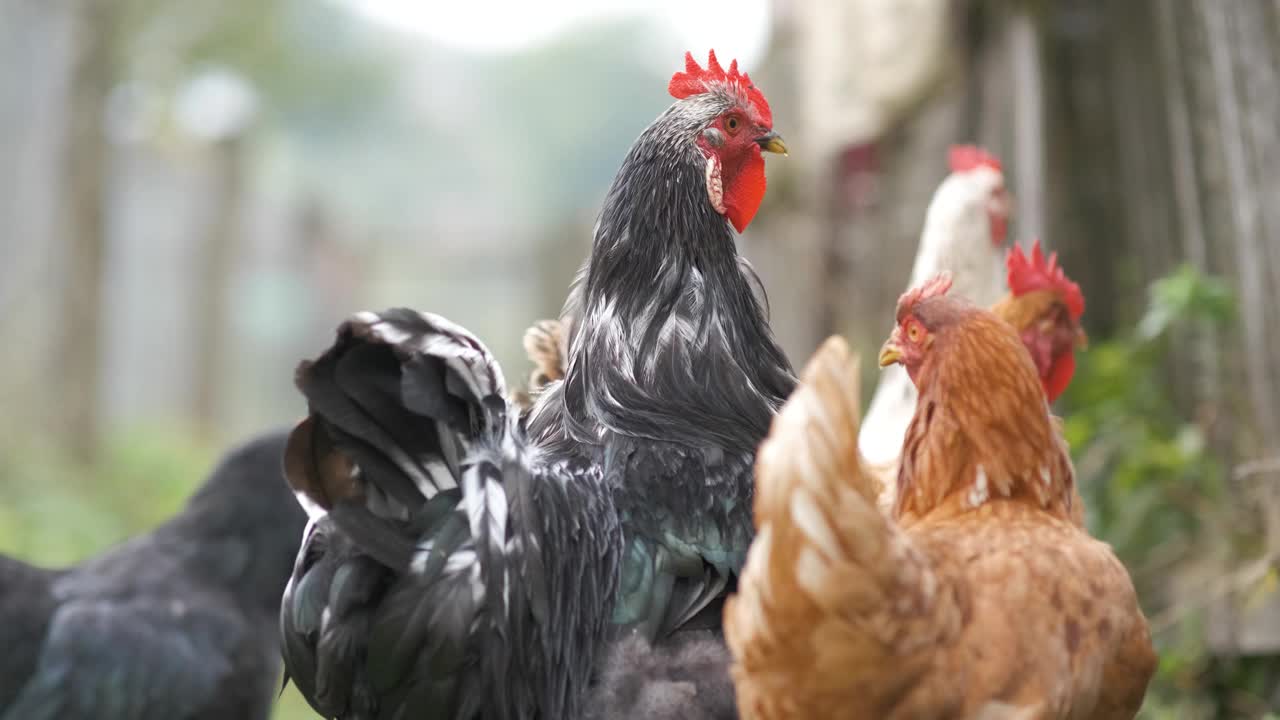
{"x":452,"y":572}
{"x":419,"y":563}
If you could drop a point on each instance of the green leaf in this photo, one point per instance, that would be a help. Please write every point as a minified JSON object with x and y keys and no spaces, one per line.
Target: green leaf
{"x":1185,"y":295}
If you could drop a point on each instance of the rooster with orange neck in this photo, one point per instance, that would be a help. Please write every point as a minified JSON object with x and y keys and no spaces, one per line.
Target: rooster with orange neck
{"x":1044,"y":306}
{"x":463,"y":562}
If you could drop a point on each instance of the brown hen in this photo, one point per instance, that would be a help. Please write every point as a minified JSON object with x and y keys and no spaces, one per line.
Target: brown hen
{"x":978,"y":597}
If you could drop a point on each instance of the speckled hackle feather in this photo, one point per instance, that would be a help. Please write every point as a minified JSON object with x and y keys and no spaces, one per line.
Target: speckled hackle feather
{"x":618,"y":506}
{"x":1027,"y":274}
{"x":695,"y":81}
{"x":936,"y":286}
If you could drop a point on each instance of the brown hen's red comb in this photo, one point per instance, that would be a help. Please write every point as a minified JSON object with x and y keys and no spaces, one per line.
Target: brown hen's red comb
{"x":964,"y":158}
{"x":695,"y":81}
{"x":935,"y":286}
{"x":1035,"y":273}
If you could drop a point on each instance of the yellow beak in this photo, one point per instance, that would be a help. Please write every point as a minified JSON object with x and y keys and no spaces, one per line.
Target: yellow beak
{"x":890,"y":353}
{"x":772,"y":142}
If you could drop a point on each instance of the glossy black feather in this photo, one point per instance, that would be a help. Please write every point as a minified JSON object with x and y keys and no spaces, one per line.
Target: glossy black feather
{"x":672,"y":380}
{"x":455,"y":598}
{"x":174,"y":624}
{"x":470,"y":565}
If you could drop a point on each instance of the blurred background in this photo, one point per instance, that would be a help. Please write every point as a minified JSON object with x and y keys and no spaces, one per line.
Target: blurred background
{"x":194,"y":194}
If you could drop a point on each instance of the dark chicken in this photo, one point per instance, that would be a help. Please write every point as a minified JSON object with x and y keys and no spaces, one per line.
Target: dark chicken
{"x":467,"y":563}
{"x":172,"y":625}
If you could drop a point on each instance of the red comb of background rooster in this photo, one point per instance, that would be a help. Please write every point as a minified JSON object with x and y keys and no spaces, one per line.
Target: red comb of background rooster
{"x":1035,"y":273}
{"x":964,"y":158}
{"x":933,"y":287}
{"x":695,"y":81}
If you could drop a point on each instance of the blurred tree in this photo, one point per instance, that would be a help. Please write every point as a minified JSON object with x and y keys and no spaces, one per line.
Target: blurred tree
{"x":298,"y":56}
{"x":221,"y":248}
{"x":220,"y":59}
{"x":218,"y":107}
{"x":76,"y":387}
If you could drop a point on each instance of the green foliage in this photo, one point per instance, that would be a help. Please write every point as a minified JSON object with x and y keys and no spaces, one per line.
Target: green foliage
{"x":1157,"y":493}
{"x":1185,"y":295}
{"x":1145,"y":470}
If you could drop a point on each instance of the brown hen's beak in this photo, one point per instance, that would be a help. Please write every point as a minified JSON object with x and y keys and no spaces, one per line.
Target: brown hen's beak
{"x":890,"y":353}
{"x":772,"y":142}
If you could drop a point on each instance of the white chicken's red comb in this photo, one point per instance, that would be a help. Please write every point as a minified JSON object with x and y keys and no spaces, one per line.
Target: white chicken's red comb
{"x":695,"y":81}
{"x":964,"y":158}
{"x":1026,"y":274}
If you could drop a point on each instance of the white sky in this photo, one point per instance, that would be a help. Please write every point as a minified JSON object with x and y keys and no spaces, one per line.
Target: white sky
{"x":735,"y":28}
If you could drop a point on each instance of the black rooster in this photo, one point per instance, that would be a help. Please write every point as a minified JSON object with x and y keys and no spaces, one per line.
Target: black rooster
{"x":177,"y":624}
{"x":468,"y":563}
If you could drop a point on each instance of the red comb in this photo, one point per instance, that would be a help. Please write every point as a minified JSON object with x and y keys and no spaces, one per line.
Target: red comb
{"x":964,"y":158}
{"x":935,"y":286}
{"x":1035,"y":273}
{"x":695,"y":81}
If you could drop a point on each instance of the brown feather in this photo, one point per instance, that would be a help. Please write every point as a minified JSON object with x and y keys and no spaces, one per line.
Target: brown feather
{"x":978,"y":598}
{"x":829,"y":584}
{"x":544,"y":345}
{"x":996,"y":443}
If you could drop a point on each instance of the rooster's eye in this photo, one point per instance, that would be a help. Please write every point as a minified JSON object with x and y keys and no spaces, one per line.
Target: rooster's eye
{"x":913,"y":332}
{"x":731,"y":125}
